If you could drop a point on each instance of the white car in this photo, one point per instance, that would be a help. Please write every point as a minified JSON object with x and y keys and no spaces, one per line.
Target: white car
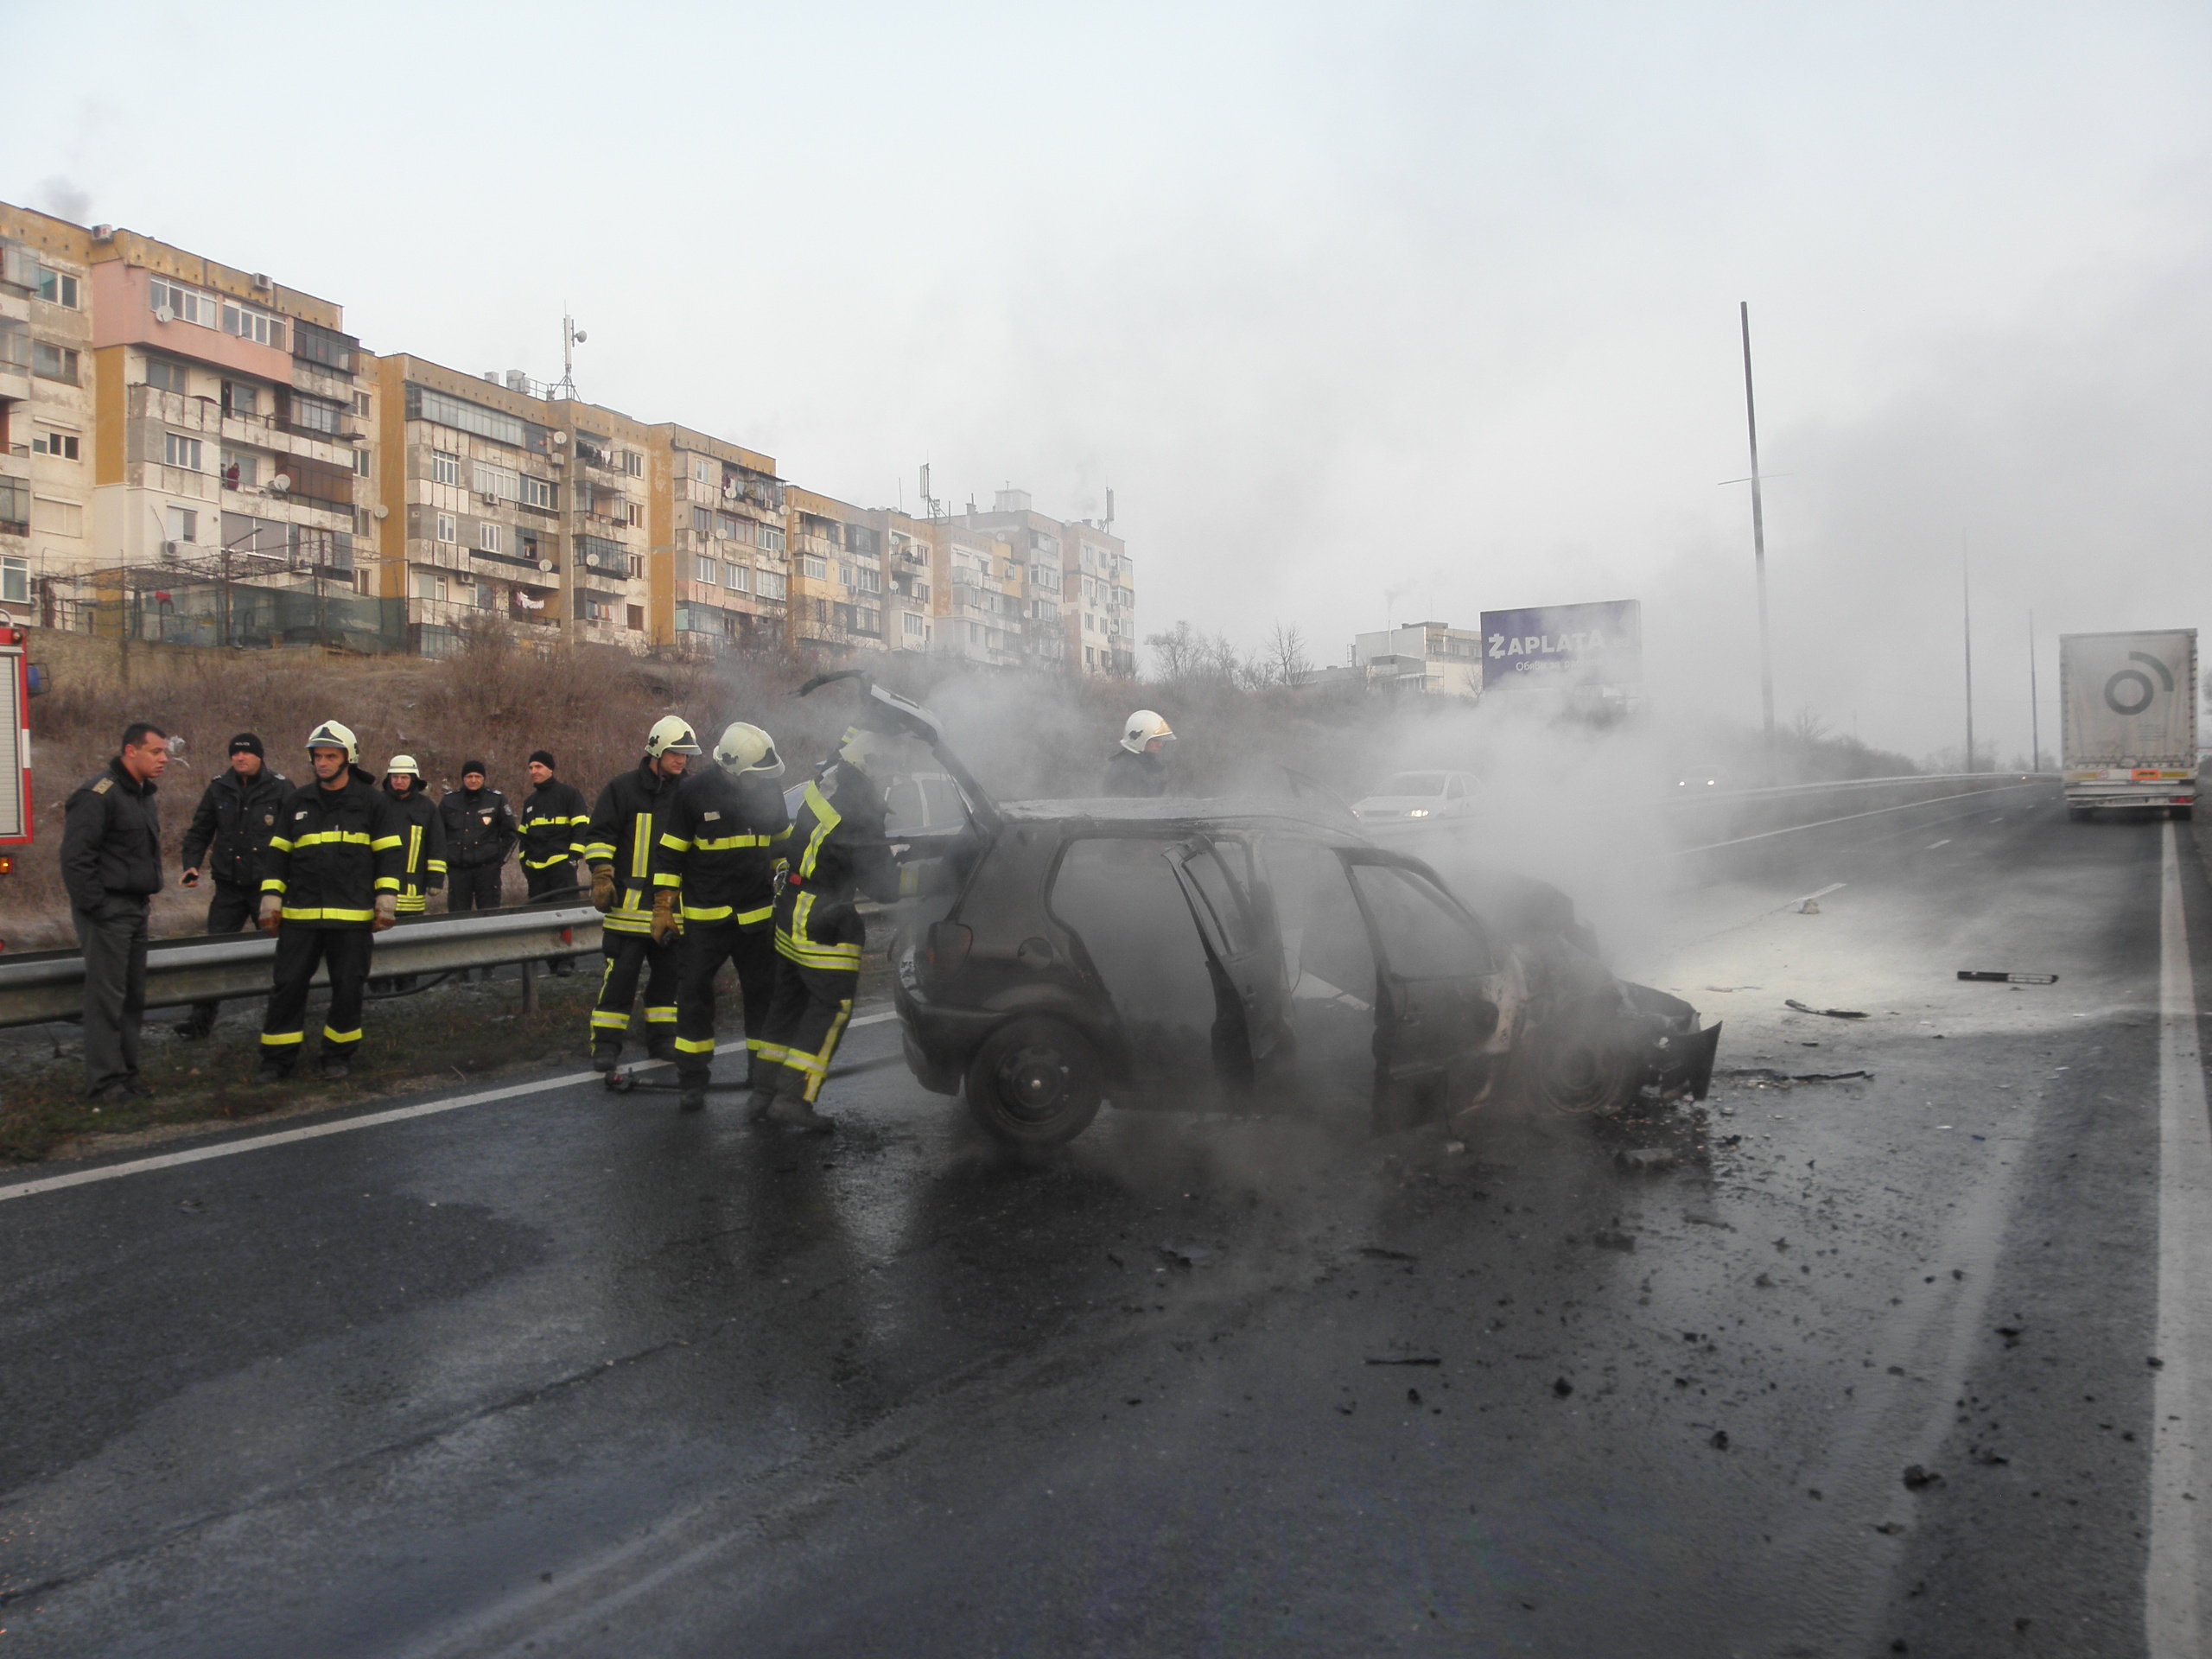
{"x":1415,"y":795}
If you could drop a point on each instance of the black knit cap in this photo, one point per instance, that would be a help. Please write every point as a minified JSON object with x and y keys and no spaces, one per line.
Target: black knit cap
{"x":542,"y":757}
{"x":468,"y":766}
{"x":246,"y":743}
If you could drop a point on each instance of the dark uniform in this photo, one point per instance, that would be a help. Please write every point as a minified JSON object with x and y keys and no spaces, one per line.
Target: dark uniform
{"x":112,"y":864}
{"x":335,"y":850}
{"x":479,"y":834}
{"x":553,"y":825}
{"x":629,"y":820}
{"x":422,"y":847}
{"x":838,"y":851}
{"x":721,"y":850}
{"x":230,"y":831}
{"x":1137,"y":775}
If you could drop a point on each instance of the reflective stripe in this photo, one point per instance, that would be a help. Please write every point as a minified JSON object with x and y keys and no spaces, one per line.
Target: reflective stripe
{"x":328,"y":915}
{"x":272,"y":885}
{"x":387,"y":884}
{"x":381,"y":844}
{"x":598,"y":852}
{"x":332,"y":837}
{"x":641,"y":846}
{"x":280,"y":1039}
{"x":412,"y":906}
{"x":826,"y":818}
{"x":667,"y":879}
{"x":602,"y":1020}
{"x":836,"y":958}
{"x":617,"y":922}
{"x":690,"y":1045}
{"x":728,"y":843}
{"x":414,"y":848}
{"x":694,"y":913}
{"x":674,"y":842}
{"x":535,"y":863}
{"x":772,"y":1053}
{"x":660,"y":1016}
{"x":280,"y":844}
{"x":330,"y":1036}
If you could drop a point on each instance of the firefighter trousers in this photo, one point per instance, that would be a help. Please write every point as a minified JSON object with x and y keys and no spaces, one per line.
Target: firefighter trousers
{"x":817,"y":974}
{"x":629,"y":955}
{"x":555,"y":884}
{"x":700,"y":954}
{"x":345,"y":951}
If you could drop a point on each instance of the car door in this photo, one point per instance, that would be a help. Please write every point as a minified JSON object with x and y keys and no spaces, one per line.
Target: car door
{"x":1442,"y":980}
{"x":1236,"y":925}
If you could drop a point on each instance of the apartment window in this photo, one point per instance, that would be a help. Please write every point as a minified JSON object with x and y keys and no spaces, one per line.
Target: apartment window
{"x":181,"y":522}
{"x":185,"y":304}
{"x":538,"y":493}
{"x":701,"y":470}
{"x":770,"y":539}
{"x":634,"y":512}
{"x":501,"y":483}
{"x":738,"y":573}
{"x":708,"y":571}
{"x":316,"y":415}
{"x":361,"y":463}
{"x":57,"y":517}
{"x":480,"y":596}
{"x":921,"y":593}
{"x":634,"y":463}
{"x":15,"y":346}
{"x":15,"y":581}
{"x":871,"y":578}
{"x":487,"y":538}
{"x":165,"y":375}
{"x":1044,"y":575}
{"x":915,"y":627}
{"x":429,"y":584}
{"x":422,"y":404}
{"x":768,"y":584}
{"x":846,"y":575}
{"x":361,"y":405}
{"x":636,"y":566}
{"x":444,"y":468}
{"x":256,"y":326}
{"x":447,"y":530}
{"x":702,"y":521}
{"x":240,"y":470}
{"x":60,"y":445}
{"x":57,"y":289}
{"x":637,"y":622}
{"x":240,"y":398}
{"x":327,"y":347}
{"x":181,"y":451}
{"x":868,"y":620}
{"x":813,"y":568}
{"x":54,"y":362}
{"x":733,"y":530}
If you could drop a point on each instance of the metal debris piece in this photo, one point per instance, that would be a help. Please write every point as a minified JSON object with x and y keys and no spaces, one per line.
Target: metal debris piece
{"x":1919,"y":1479}
{"x":1644,"y":1158}
{"x":1719,"y":1441}
{"x":1832,"y":1013}
{"x":1997,"y":977}
{"x":1405,"y":1359}
{"x":1607,"y":1238}
{"x":1382,"y":1255}
{"x":1561,"y":1387}
{"x":1187,"y":1255}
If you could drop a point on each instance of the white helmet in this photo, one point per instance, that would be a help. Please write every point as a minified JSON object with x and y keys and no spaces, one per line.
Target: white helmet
{"x":331,"y":735}
{"x":1141,"y":729}
{"x":404,"y":763}
{"x":745,"y":748}
{"x":865,"y":749}
{"x":671,"y":736}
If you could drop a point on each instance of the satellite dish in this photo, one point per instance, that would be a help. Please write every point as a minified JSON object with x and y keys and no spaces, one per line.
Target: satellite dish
{"x":560,"y":438}
{"x":379,"y":511}
{"x":545,"y":565}
{"x":281,"y":483}
{"x":162,"y":314}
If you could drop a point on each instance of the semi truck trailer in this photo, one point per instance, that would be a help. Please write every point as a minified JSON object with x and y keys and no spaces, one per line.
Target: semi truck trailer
{"x":2127,"y":721}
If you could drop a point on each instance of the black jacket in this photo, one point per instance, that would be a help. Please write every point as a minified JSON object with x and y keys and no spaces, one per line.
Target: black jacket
{"x":725,"y":839}
{"x":632,"y":812}
{"x":232,"y":827}
{"x":479,"y":828}
{"x":553,"y":821}
{"x":111,"y":839}
{"x":1137,"y":775}
{"x":335,"y":850}
{"x":422,"y":847}
{"x":839,"y":844}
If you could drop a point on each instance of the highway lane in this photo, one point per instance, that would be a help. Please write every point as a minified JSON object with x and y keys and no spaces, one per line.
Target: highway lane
{"x":569,"y":1373}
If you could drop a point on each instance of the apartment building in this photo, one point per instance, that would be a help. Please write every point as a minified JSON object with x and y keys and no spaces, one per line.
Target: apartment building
{"x":46,"y":402}
{"x":1422,"y":657}
{"x":910,"y":561}
{"x":719,"y":509}
{"x":838,"y":573}
{"x":1078,"y":598}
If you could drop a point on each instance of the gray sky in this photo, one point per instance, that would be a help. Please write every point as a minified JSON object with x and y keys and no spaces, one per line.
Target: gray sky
{"x":1341,"y":301}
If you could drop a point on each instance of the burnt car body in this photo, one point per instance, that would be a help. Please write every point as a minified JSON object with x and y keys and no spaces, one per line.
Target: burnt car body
{"x":1256,"y":954}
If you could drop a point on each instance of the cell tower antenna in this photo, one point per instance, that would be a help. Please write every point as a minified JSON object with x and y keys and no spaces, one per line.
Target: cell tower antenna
{"x":571,"y":337}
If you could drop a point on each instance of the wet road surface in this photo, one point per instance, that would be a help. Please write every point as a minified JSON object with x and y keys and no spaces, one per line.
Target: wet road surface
{"x":566,"y":1373}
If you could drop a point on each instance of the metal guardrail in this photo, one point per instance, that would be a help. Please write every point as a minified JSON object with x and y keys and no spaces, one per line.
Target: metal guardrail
{"x":44,"y":985}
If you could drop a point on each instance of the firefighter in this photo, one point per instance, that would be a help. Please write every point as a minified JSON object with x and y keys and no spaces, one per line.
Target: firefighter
{"x":632,"y":812}
{"x":715,"y":866}
{"x":230,"y":830}
{"x":838,"y":851}
{"x":480,"y":832}
{"x":423,"y":865}
{"x":330,"y":882}
{"x":553,"y":820}
{"x":1136,"y":767}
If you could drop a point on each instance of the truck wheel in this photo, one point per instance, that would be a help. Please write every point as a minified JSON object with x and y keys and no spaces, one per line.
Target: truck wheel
{"x":1034,"y":1082}
{"x":2182,"y":814}
{"x":1576,"y":1072}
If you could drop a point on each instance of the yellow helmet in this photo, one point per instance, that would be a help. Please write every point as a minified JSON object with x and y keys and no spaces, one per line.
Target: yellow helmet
{"x":744,"y":748}
{"x":332,"y":735}
{"x":670,"y":735}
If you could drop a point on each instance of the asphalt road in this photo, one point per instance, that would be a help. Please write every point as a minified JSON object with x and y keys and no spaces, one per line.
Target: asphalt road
{"x":565,"y":1373}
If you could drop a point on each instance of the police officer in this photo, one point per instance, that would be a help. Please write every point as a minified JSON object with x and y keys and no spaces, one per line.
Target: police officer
{"x":230,"y":830}
{"x":553,"y":823}
{"x":112,"y":865}
{"x":632,"y":812}
{"x":479,"y":834}
{"x":331,"y":882}
{"x":1136,"y":767}
{"x":716,"y":865}
{"x":423,"y":849}
{"x":839,"y":850}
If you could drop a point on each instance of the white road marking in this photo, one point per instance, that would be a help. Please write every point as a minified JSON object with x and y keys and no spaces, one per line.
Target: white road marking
{"x":1933,"y":845}
{"x":286,"y":1137}
{"x":1808,"y":898}
{"x":1848,"y":817}
{"x":2176,"y":1586}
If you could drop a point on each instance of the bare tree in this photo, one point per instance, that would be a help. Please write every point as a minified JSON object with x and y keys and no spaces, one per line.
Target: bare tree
{"x":1287,"y":662}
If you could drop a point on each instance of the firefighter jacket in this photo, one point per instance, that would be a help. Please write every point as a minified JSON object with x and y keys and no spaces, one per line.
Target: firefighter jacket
{"x":1137,"y":775}
{"x":632,"y":812}
{"x":724,"y":843}
{"x":334,"y":851}
{"x":422,"y":848}
{"x":111,"y":839}
{"x":479,"y":828}
{"x":553,"y":823}
{"x":231,"y":828}
{"x":839,"y":850}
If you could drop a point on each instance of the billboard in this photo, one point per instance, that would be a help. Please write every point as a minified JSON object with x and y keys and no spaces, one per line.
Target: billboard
{"x":1564,"y":645}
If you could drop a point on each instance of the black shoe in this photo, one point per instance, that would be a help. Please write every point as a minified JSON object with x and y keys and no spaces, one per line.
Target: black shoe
{"x":605,"y":1057}
{"x":132,"y":1087}
{"x":335,"y":1068}
{"x":693,"y":1099}
{"x":762,"y":1102}
{"x":793,"y":1113}
{"x":273,"y":1071}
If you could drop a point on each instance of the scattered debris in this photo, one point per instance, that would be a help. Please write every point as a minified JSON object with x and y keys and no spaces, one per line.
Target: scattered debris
{"x":1765,"y":1282}
{"x":1919,"y":1479}
{"x":1828,"y":1077}
{"x":2155,"y":1362}
{"x":1713,"y":1221}
{"x":1561,"y":1387}
{"x":1454,"y":1148}
{"x":1888,"y":1529}
{"x":1768,"y":1074}
{"x":190,"y":1206}
{"x":1117,"y":1261}
{"x":1997,"y":977}
{"x":1187,"y":1255}
{"x":1607,"y":1238}
{"x":1347,"y":1407}
{"x":1405,"y":1359}
{"x":1719,"y":1441}
{"x":1382,"y":1255}
{"x":1644,"y":1158}
{"x":1810,"y":908}
{"x":1729,"y":990}
{"x":1990,"y":1459}
{"x":2011,"y":1333}
{"x":1412,"y":1397}
{"x":1831,"y":1013}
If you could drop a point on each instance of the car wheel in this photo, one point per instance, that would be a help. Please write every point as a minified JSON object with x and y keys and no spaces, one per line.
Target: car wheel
{"x":1575,"y":1071}
{"x":1034,"y":1082}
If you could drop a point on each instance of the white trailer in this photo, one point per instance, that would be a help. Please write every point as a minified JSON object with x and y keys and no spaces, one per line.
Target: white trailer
{"x":2127,"y":720}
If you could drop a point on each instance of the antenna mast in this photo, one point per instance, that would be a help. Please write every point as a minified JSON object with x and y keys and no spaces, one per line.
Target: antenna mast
{"x":571,"y":337}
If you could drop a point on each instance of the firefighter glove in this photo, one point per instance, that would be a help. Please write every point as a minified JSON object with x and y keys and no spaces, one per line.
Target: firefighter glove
{"x":602,"y":887}
{"x":272,"y":911}
{"x":387,"y":911}
{"x":665,"y":920}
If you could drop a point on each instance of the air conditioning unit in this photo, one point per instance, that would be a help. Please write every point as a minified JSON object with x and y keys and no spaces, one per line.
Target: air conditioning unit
{"x":489,"y":498}
{"x":556,"y":457}
{"x":169,"y":550}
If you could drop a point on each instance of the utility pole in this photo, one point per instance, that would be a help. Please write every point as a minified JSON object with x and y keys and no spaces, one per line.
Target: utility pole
{"x":2034,"y":715}
{"x":1966,"y":583}
{"x":1758,"y":540}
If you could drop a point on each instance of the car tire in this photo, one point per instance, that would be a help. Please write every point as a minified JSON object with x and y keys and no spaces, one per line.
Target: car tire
{"x":1576,"y":1072}
{"x":1035,"y":1083}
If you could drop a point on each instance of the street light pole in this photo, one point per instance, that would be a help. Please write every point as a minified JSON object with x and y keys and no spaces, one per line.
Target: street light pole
{"x":2034,"y":715}
{"x":1966,"y":618}
{"x":1758,"y":539}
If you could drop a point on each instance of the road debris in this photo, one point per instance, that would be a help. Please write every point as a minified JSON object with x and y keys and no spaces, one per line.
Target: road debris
{"x":1768,"y":1074}
{"x":1644,"y":1158}
{"x":1998,"y":976}
{"x":1405,"y":1359}
{"x":1810,"y":908}
{"x":1187,"y":1255}
{"x":1382,"y":1255}
{"x":1719,"y":1441}
{"x":1917,"y":1478}
{"x":1606,"y":1238}
{"x":1561,"y":1387}
{"x":1830,"y":1014}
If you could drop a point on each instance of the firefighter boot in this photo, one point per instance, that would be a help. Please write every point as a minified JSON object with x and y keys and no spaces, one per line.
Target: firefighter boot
{"x":272,"y":1070}
{"x":335,"y":1066}
{"x":791,"y":1110}
{"x":606,"y":1054}
{"x":693,"y":1099}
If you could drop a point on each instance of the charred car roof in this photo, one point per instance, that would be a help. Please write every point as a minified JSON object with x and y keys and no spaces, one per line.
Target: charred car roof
{"x":1223,"y":812}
